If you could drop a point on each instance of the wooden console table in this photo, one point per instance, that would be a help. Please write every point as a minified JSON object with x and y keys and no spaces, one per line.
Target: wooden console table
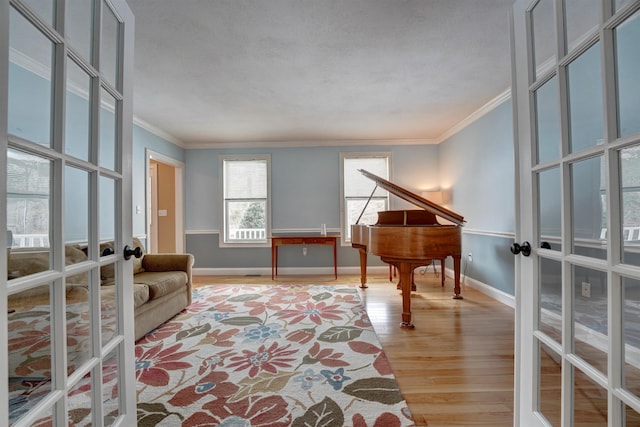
{"x":301,"y":240}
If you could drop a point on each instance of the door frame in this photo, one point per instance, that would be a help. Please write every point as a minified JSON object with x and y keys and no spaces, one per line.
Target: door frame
{"x":527,"y":290}
{"x":179,"y":196}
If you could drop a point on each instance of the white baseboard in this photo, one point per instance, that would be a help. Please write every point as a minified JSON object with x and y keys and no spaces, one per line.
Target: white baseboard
{"x":266,"y":271}
{"x":494,"y":293}
{"x":490,"y":291}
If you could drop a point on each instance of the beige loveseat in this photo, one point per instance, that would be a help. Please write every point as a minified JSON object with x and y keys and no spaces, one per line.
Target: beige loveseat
{"x":162,"y":283}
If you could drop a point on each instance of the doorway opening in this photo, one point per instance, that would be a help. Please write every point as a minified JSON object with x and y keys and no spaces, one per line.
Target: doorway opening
{"x":165,"y":207}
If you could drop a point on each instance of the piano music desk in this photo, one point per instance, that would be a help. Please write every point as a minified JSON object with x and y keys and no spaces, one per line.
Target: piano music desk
{"x":277,"y":241}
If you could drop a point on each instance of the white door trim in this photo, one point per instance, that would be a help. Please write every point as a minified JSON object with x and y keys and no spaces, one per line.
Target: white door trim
{"x":179,"y":194}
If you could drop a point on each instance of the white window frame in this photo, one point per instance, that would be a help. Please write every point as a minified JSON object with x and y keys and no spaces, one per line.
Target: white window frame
{"x":223,"y":243}
{"x":346,"y":240}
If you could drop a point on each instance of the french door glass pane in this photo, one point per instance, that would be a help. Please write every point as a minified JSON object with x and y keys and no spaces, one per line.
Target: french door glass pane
{"x":549,"y":391}
{"x":631,"y":334}
{"x":620,"y":3}
{"x":628,"y":69}
{"x":78,"y":109}
{"x":30,"y":332}
{"x":588,"y":213}
{"x":79,"y":402}
{"x":30,"y":89}
{"x":78,"y":26}
{"x":108,"y":305}
{"x":630,"y":177}
{"x":43,"y":8}
{"x":76,"y":198}
{"x":632,"y":418}
{"x":547,"y":121}
{"x":582,"y":17}
{"x":28,"y":213}
{"x":585,"y":100}
{"x":550,"y":208}
{"x":550,"y":303}
{"x":590,"y":302}
{"x":107,"y":130}
{"x":107,"y":204}
{"x":544,"y":34}
{"x":590,"y":402}
{"x":109,"y":47}
{"x":78,"y":324}
{"x":110,"y":388}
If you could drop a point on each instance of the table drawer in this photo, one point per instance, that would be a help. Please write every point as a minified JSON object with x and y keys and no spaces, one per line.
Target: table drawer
{"x":312,"y":241}
{"x":300,"y":241}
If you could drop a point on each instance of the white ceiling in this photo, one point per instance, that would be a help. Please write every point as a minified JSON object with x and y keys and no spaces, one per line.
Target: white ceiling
{"x":307,"y":72}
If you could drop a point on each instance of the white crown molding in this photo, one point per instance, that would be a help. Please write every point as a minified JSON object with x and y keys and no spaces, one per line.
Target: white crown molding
{"x":158,"y":132}
{"x":311,"y":143}
{"x":486,"y":108}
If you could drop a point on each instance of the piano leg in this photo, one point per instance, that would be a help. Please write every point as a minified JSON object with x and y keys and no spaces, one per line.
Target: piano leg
{"x":456,"y":276}
{"x":406,"y":281}
{"x":363,"y":267}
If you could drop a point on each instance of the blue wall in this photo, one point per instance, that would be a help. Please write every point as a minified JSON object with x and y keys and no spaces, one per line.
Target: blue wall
{"x":305,"y":194}
{"x":478,"y":164}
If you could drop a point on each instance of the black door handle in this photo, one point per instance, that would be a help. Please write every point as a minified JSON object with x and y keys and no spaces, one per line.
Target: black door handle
{"x":525,"y":248}
{"x":128,"y":252}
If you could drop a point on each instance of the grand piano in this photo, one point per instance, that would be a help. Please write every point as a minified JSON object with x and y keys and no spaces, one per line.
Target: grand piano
{"x":408,"y":239}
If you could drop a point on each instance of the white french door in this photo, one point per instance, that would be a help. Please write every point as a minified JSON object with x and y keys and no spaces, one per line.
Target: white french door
{"x":67,"y":350}
{"x":576,"y":68}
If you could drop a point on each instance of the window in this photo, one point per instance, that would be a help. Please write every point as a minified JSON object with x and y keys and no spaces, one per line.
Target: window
{"x":357,"y":189}
{"x":246,"y":200}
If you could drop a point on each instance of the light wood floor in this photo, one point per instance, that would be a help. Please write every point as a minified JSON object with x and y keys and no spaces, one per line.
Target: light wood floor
{"x":456,"y":366}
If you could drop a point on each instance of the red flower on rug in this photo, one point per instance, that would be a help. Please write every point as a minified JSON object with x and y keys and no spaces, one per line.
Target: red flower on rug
{"x":265,"y":359}
{"x":312,"y":311}
{"x":152,"y":365}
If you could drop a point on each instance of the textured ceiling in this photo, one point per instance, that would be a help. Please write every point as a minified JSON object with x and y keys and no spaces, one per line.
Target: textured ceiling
{"x":243,"y":72}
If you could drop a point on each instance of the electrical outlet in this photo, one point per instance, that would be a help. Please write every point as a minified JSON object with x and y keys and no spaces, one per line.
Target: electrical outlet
{"x":470,"y":257}
{"x":586,"y":289}
{"x":304,"y":251}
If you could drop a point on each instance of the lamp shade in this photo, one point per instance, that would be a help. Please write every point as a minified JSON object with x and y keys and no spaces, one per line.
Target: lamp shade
{"x":434,"y":196}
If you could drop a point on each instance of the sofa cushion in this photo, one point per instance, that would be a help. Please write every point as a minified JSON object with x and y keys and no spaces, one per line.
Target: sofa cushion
{"x":162,"y":283}
{"x":140,"y":294}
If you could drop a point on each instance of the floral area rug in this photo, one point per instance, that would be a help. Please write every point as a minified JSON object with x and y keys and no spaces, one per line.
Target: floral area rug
{"x":268,"y":355}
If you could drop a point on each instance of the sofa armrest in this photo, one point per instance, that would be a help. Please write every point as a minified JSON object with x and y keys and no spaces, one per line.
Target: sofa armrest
{"x":168,"y":262}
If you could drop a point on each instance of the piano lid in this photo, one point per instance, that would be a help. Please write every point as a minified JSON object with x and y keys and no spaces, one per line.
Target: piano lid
{"x":413,"y":198}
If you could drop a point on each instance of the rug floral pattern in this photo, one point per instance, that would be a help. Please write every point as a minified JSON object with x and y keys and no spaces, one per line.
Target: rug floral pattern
{"x":273,"y":355}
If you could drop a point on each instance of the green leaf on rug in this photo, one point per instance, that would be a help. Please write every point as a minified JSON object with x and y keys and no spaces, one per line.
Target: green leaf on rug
{"x":79,"y":414}
{"x":322,"y":296}
{"x":383,"y":390}
{"x":244,"y":298}
{"x":242,"y":321}
{"x":192,"y":332}
{"x":345,"y":291}
{"x":340,"y":334}
{"x":151,"y":414}
{"x":325,"y":413}
{"x":36,"y":314}
{"x":264,"y":383}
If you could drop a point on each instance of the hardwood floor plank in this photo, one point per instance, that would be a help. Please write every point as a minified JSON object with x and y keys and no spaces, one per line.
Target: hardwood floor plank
{"x":456,"y":367}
